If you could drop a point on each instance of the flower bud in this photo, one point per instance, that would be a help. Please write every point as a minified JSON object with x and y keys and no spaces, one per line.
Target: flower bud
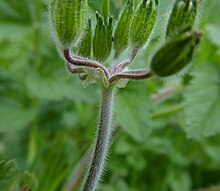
{"x":175,"y":54}
{"x":122,"y":30}
{"x":143,"y":23}
{"x":102,"y":40}
{"x":85,"y":44}
{"x":182,"y":16}
{"x":67,"y":19}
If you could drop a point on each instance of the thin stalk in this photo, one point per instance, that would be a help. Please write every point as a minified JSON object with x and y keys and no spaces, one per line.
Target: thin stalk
{"x":133,"y":75}
{"x":87,"y":62}
{"x":102,"y":141}
{"x":163,"y":94}
{"x":78,"y":173}
{"x":75,"y":70}
{"x":37,"y":33}
{"x":37,"y":61}
{"x":136,"y":2}
{"x":32,"y":143}
{"x":170,"y":111}
{"x":105,"y":10}
{"x":120,"y":67}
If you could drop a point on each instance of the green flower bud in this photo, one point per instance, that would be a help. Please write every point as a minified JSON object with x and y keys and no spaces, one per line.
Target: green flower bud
{"x":182,"y":17}
{"x":175,"y":54}
{"x":85,"y":44}
{"x":143,"y":23}
{"x":67,"y":19}
{"x":122,"y":30}
{"x":102,"y":40}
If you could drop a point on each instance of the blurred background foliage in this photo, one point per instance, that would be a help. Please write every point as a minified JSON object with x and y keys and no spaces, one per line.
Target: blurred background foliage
{"x":168,"y":131}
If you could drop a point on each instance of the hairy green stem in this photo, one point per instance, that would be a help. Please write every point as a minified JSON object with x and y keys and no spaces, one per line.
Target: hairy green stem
{"x":102,"y":141}
{"x":78,"y":173}
{"x":105,"y":9}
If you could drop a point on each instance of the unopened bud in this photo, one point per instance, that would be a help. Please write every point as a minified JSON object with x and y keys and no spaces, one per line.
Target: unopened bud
{"x":85,"y":44}
{"x":122,"y":30}
{"x":67,"y":18}
{"x":182,"y":17}
{"x":143,"y":23}
{"x":102,"y":41}
{"x":175,"y":54}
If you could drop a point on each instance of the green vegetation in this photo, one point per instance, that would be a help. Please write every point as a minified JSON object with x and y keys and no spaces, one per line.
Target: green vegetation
{"x":167,"y":136}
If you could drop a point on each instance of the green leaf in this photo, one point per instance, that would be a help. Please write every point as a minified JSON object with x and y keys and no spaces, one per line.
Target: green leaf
{"x":210,"y":11}
{"x":15,"y":11}
{"x":203,"y":102}
{"x":29,"y":182}
{"x":133,"y":110}
{"x":213,"y":33}
{"x":14,"y":116}
{"x":212,"y":149}
{"x":55,"y":89}
{"x":179,"y":180}
{"x":12,"y":179}
{"x":9,"y":175}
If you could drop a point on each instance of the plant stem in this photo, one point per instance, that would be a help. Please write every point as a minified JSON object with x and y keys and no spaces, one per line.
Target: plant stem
{"x":105,"y":10}
{"x":84,"y":62}
{"x":170,"y":111}
{"x":102,"y":142}
{"x":32,"y":143}
{"x":37,"y":33}
{"x":32,"y":150}
{"x":74,"y":181}
{"x":136,"y":3}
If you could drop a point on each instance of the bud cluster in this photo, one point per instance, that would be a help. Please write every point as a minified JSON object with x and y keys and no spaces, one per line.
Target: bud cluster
{"x":92,"y":44}
{"x":135,"y":26}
